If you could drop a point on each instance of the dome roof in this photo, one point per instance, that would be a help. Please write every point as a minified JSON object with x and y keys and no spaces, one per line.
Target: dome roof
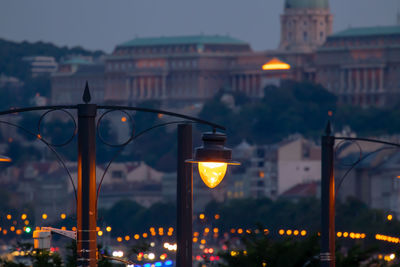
{"x":306,"y":3}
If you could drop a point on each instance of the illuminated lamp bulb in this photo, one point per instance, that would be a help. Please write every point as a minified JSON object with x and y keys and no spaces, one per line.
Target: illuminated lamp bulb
{"x":213,"y":158}
{"x":212,"y":173}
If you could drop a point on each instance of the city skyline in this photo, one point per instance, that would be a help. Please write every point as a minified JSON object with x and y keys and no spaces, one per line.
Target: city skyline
{"x":110,"y":24}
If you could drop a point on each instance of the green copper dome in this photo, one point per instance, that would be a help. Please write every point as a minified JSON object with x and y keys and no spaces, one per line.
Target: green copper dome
{"x":306,"y":3}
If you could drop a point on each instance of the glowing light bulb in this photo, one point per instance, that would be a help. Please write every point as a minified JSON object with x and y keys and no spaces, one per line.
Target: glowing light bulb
{"x":212,"y":173}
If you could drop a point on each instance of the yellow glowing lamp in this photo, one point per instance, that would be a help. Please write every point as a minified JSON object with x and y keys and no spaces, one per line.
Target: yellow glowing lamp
{"x":276,"y":64}
{"x":213,"y":158}
{"x":212,"y":173}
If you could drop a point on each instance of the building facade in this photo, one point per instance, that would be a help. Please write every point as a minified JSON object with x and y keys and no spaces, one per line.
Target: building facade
{"x":305,"y":25}
{"x":362,"y":65}
{"x":359,"y":65}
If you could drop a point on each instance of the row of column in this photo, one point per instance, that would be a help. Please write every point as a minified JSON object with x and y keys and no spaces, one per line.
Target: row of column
{"x":146,"y":87}
{"x":366,"y":79}
{"x":246,"y":83}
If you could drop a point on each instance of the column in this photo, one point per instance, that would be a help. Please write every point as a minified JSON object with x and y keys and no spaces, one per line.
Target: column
{"x":342,"y":85}
{"x":141,"y":80}
{"x":248,"y":87}
{"x":127,"y":89}
{"x":365,"y":72}
{"x":149,"y":87}
{"x":357,"y":80}
{"x":373,"y":78}
{"x":184,"y":192}
{"x":381,"y":79}
{"x":86,"y":202}
{"x":164,"y":86}
{"x":157,"y":94}
{"x":134,"y":87}
{"x":254,"y":85}
{"x":350,"y":80}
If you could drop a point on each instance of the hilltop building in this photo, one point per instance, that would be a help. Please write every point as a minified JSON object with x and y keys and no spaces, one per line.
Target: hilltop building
{"x":41,"y":65}
{"x":360,"y":65}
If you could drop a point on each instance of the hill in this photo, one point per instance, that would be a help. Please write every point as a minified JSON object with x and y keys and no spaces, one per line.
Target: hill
{"x":11,"y":54}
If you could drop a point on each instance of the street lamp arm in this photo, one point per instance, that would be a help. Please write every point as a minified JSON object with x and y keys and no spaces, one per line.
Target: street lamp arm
{"x":356,"y":163}
{"x":20,"y":110}
{"x":158,"y":111}
{"x":361,"y":158}
{"x":367,"y":140}
{"x":121,"y":148}
{"x":58,"y":156}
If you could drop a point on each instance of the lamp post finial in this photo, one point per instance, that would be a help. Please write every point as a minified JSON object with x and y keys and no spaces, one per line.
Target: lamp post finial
{"x":86,"y":94}
{"x":328,"y":129}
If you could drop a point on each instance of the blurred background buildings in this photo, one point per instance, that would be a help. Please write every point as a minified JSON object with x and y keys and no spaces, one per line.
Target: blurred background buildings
{"x":359,"y":65}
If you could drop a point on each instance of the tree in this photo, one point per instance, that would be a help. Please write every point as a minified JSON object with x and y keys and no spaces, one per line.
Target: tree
{"x":261,"y":250}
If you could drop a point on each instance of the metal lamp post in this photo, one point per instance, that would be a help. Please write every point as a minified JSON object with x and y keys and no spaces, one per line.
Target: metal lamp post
{"x":328,"y":234}
{"x":87,"y":193}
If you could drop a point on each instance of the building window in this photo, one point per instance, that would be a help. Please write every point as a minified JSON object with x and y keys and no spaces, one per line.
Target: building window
{"x":305,"y":36}
{"x":321,"y":35}
{"x":260,"y":153}
{"x":117,"y":175}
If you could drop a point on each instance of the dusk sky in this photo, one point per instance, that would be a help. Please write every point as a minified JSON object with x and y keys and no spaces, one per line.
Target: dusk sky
{"x":101,"y":24}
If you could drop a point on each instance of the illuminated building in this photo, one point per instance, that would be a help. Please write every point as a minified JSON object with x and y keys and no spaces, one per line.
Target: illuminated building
{"x":359,"y":65}
{"x":362,"y":65}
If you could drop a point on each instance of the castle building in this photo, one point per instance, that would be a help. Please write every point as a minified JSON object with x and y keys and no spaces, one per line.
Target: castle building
{"x":170,"y":69}
{"x":305,"y":24}
{"x":359,"y":65}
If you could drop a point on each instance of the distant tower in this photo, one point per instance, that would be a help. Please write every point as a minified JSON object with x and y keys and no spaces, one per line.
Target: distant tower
{"x":398,"y":17}
{"x":305,"y":24}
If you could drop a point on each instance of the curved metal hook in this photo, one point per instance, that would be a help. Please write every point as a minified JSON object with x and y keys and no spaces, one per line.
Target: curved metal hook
{"x":59,"y":158}
{"x":115,"y":145}
{"x":159,"y":111}
{"x":340,"y":144}
{"x":356,"y":163}
{"x":40,"y":135}
{"x":118,"y":152}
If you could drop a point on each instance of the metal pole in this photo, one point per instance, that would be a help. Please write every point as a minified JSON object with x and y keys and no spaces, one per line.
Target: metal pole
{"x":86,"y":210}
{"x":184,"y":203}
{"x":327,"y":200}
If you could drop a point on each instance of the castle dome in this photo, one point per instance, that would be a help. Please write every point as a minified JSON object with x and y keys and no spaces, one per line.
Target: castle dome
{"x":306,"y":3}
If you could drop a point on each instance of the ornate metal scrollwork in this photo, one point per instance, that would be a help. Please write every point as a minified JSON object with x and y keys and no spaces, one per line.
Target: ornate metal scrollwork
{"x":131,"y":137}
{"x":362,"y":156}
{"x":40,"y":135}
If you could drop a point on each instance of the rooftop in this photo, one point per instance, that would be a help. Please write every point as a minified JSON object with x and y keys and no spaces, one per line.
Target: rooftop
{"x":306,"y":4}
{"x":368,"y":31}
{"x":302,"y":190}
{"x":77,"y":61}
{"x":183,"y":40}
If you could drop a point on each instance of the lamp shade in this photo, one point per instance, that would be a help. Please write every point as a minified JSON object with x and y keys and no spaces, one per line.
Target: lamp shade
{"x":213,"y":158}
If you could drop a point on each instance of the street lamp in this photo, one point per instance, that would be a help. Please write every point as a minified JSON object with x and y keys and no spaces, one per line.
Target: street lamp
{"x":213,"y":158}
{"x":87,"y":194}
{"x":328,"y":191}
